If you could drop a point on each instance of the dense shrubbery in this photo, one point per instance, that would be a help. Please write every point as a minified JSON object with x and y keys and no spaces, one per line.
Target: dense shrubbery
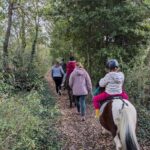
{"x":26,"y":121}
{"x":5,"y":88}
{"x":137,"y":86}
{"x":143,"y":129}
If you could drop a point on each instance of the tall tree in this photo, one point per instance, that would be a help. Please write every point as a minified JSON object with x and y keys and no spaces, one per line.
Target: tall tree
{"x":23,"y":36}
{"x":34,"y":40}
{"x":7,"y":35}
{"x":36,"y":33}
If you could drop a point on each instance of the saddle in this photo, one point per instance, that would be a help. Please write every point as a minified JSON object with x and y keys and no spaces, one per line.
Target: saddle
{"x":109,"y":99}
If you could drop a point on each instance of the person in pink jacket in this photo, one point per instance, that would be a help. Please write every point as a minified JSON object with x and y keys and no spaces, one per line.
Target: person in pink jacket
{"x":81,"y":86}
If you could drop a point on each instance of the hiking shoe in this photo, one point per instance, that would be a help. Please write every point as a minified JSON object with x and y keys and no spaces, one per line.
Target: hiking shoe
{"x":82,"y":118}
{"x":59,"y":92}
{"x":77,"y":113}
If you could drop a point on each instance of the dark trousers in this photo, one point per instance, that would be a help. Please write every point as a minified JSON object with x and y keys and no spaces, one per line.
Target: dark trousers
{"x":58,"y":81}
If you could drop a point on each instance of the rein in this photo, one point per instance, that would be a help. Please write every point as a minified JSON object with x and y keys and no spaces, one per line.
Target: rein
{"x":124,"y":103}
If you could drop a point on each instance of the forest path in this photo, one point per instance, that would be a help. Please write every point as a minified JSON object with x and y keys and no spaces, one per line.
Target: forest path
{"x":77,"y":134}
{"x":80,"y":135}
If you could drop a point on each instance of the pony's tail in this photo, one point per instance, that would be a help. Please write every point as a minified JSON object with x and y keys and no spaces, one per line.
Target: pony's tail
{"x":127,"y":130}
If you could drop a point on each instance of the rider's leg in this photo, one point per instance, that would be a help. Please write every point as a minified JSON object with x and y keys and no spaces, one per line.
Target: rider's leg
{"x":98,"y":98}
{"x":125,"y":95}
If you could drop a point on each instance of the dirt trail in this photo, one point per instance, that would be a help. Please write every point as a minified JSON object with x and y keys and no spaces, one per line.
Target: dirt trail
{"x":77,"y":134}
{"x":81,"y":135}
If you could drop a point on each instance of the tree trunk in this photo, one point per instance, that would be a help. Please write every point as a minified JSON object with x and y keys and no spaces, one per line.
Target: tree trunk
{"x":23,"y":39}
{"x":34,"y":43}
{"x":7,"y":35}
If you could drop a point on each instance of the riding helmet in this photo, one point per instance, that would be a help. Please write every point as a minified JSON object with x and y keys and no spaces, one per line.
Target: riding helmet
{"x":112,"y":63}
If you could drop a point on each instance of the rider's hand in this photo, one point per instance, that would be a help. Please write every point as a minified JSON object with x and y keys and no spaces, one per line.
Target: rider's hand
{"x":97,"y":113}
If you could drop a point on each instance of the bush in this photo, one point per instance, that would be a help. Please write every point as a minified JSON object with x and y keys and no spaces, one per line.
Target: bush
{"x":143,"y":132}
{"x":5,"y":88}
{"x":26,"y":121}
{"x":138,"y":86}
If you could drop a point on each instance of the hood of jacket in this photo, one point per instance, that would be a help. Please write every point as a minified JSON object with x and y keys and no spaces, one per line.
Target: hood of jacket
{"x":79,"y":71}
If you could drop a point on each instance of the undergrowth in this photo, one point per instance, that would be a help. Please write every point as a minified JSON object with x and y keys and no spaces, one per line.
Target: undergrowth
{"x":27,"y":120}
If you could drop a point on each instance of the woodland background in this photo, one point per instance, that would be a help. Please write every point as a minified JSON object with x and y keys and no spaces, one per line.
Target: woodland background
{"x":35,"y":33}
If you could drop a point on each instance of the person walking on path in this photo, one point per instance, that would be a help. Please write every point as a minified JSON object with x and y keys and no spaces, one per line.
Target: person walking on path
{"x":63,"y":64}
{"x":57,"y":74}
{"x":81,"y":85}
{"x":71,"y":64}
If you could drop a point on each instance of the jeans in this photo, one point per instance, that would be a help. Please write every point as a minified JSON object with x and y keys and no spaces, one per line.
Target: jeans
{"x":80,"y":103}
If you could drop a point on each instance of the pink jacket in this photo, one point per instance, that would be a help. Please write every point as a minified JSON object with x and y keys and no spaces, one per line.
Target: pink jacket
{"x":80,"y":82}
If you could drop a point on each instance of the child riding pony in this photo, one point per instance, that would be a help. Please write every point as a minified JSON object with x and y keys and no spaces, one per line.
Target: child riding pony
{"x":118,"y":115}
{"x":112,"y":82}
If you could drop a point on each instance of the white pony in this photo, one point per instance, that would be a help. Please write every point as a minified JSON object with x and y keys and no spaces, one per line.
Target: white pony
{"x":119,"y":117}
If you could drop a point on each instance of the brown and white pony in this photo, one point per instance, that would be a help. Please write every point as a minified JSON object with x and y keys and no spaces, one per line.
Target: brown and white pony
{"x":119,"y":117}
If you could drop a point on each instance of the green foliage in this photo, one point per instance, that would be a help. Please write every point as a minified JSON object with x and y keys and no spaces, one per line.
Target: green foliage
{"x":26,"y":79}
{"x":98,"y":30}
{"x":26,"y":121}
{"x":21,"y":41}
{"x":137,"y":83}
{"x":17,"y":126}
{"x":143,"y":131}
{"x":5,"y":87}
{"x":138,"y":86}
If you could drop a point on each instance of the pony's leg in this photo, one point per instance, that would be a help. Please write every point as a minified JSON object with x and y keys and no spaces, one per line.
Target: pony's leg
{"x":70,"y":100}
{"x":117,"y":142}
{"x":104,"y":131}
{"x":70,"y":97}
